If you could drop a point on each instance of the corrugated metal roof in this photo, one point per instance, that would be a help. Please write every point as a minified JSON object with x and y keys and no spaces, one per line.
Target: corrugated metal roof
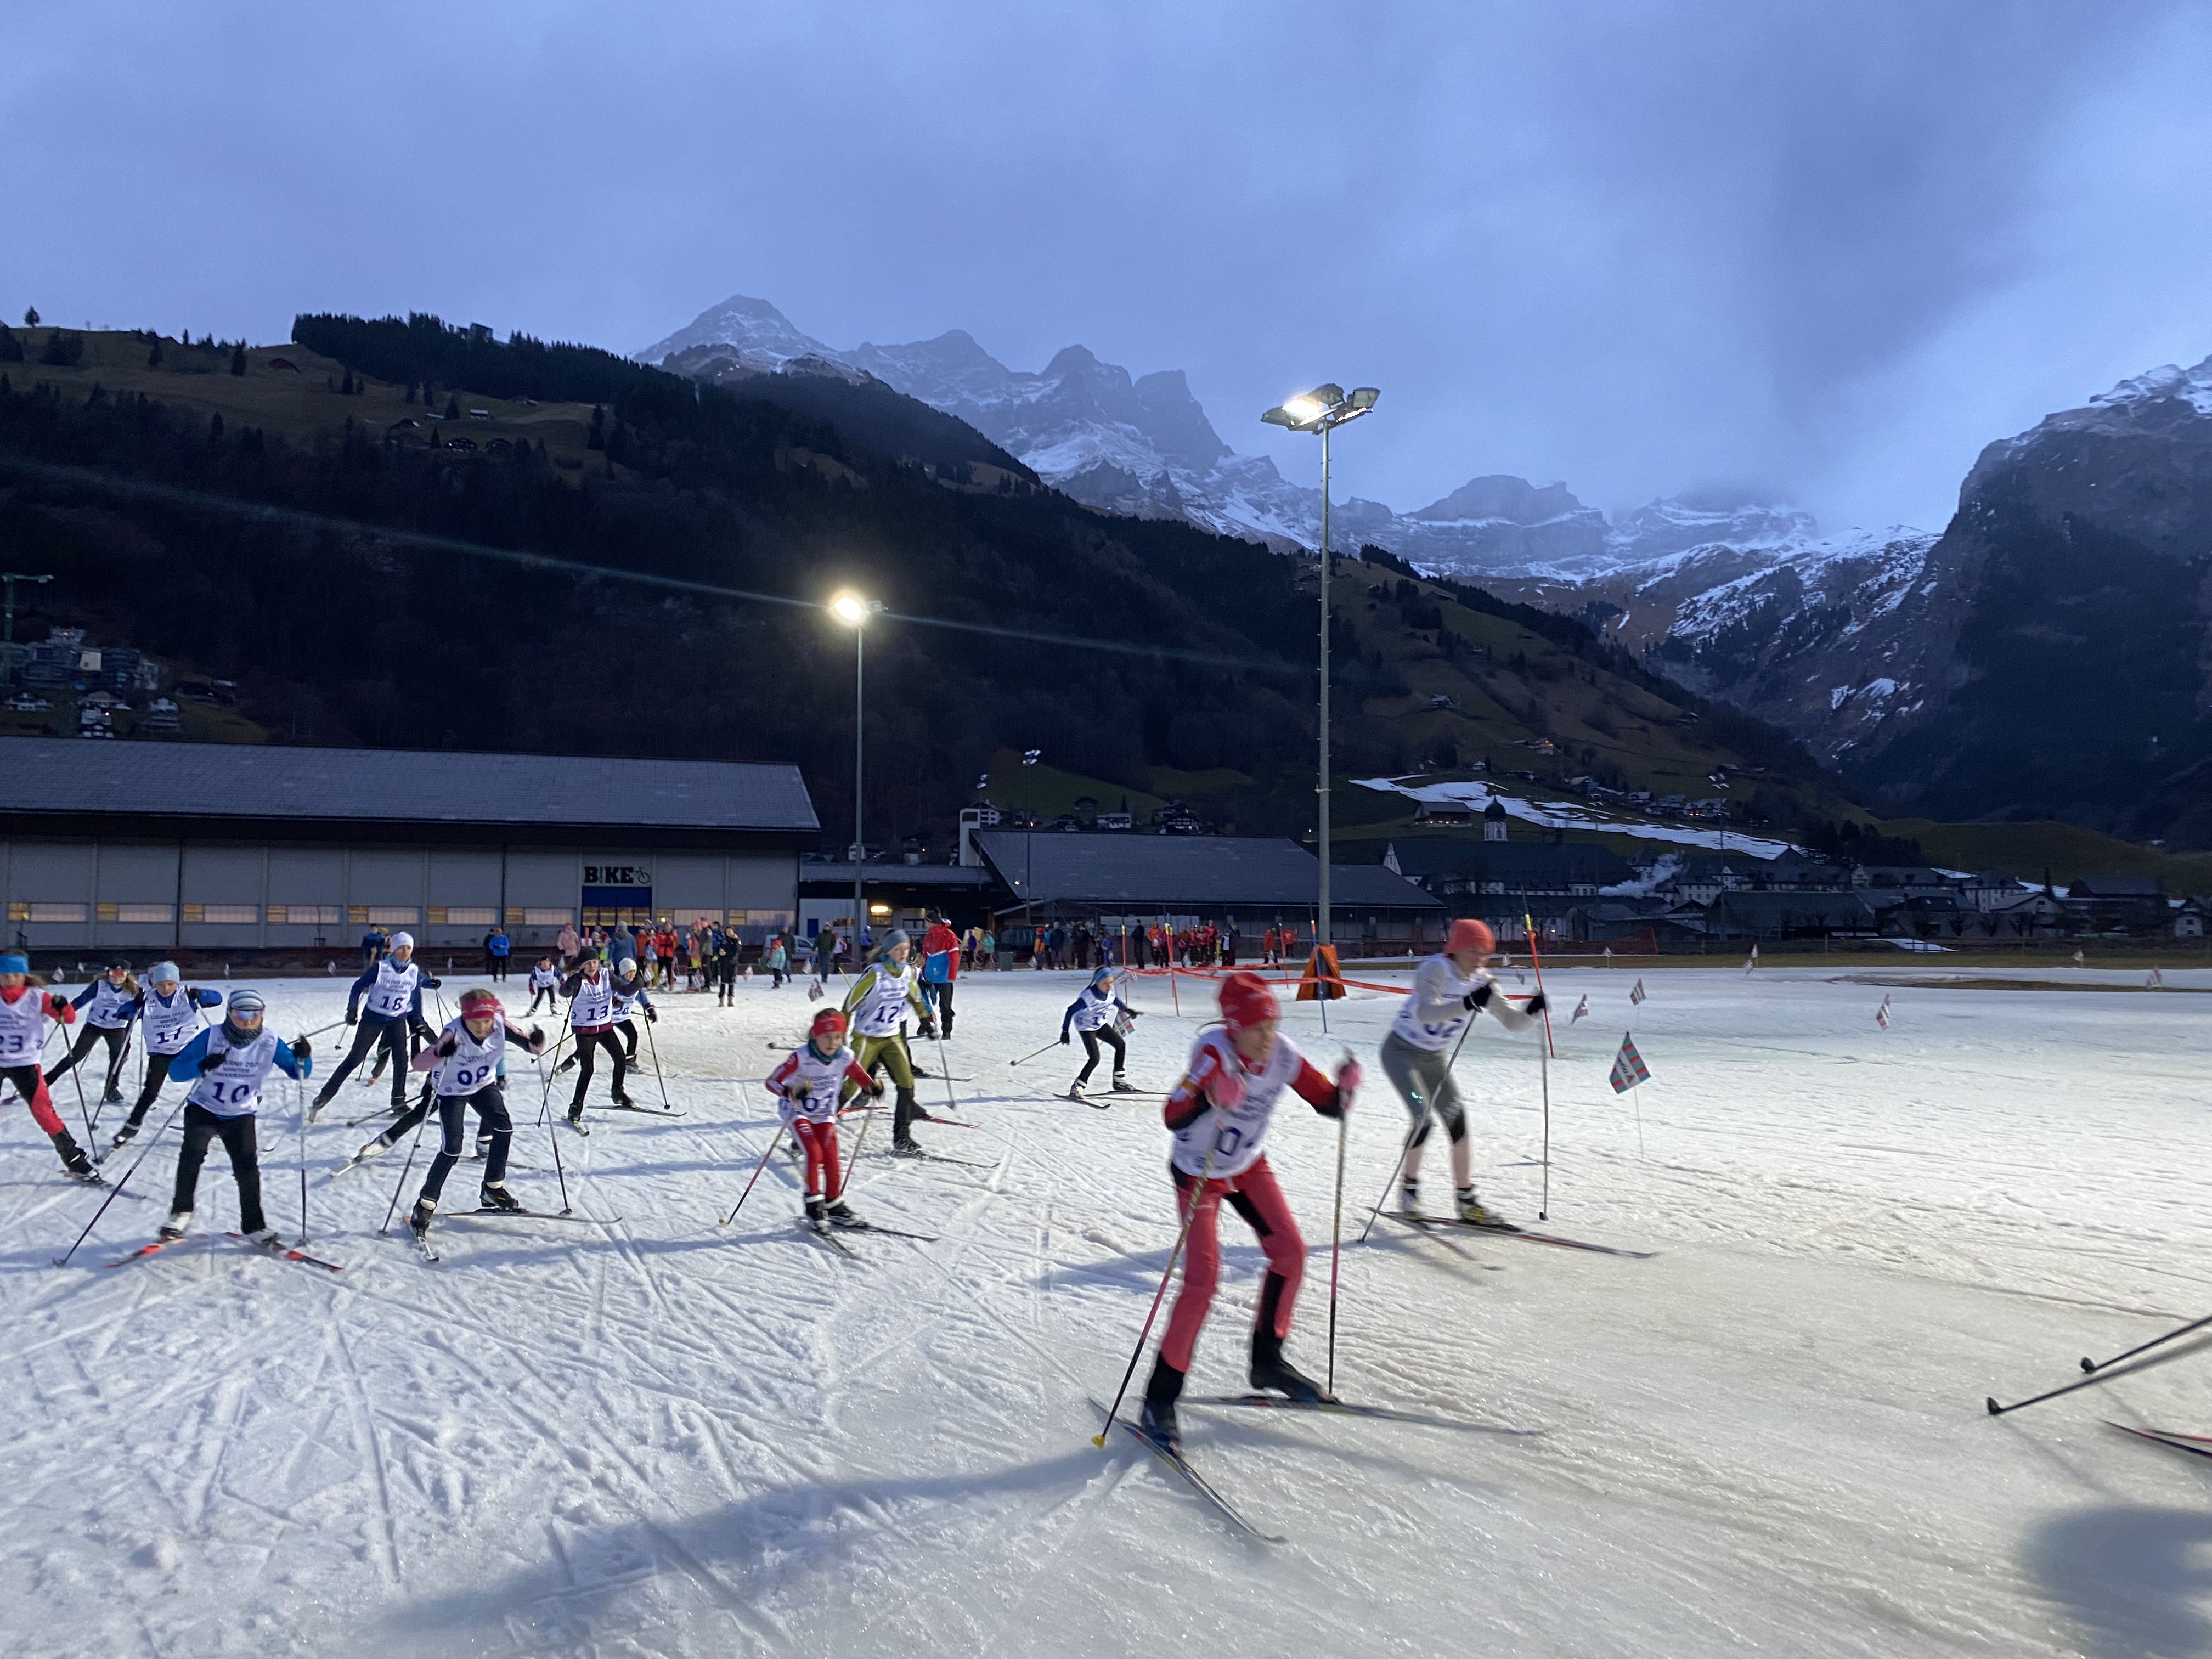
{"x":239,"y":780}
{"x":1053,"y":866}
{"x":889,"y":873}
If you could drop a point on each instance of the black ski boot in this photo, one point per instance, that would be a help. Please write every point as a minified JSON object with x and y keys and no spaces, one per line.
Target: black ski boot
{"x":489,"y":1197}
{"x":1157,"y":1418}
{"x":124,"y":1137}
{"x":73,"y":1156}
{"x":816,"y":1216}
{"x":624,"y":1102}
{"x":1272,"y":1372}
{"x":113,"y":1098}
{"x":420,"y":1217}
{"x":840,"y":1216}
{"x":174,"y":1228}
{"x":902,"y":1118}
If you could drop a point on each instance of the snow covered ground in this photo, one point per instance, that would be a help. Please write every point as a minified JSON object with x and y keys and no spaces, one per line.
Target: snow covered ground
{"x":659,"y":1436}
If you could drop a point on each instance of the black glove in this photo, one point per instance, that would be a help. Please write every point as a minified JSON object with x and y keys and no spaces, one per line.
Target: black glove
{"x":1535,"y":1005}
{"x":799,"y":1089}
{"x":929,"y":1030}
{"x":875,"y":1089}
{"x":421,"y":1030}
{"x":350,"y":1016}
{"x":1478,"y":998}
{"x":537,"y":1038}
{"x":652,"y":1015}
{"x":210,"y":1060}
{"x":445,"y":1048}
{"x":299,"y":1049}
{"x":1063,"y":1039}
{"x":431,"y":983}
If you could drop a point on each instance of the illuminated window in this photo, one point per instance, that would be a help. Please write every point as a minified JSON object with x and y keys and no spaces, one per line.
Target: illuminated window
{"x":232,"y":914}
{"x":542,"y":916}
{"x":29,"y":912}
{"x":136,"y":912}
{"x":465,"y":915}
{"x":388,"y":915}
{"x":312,"y":915}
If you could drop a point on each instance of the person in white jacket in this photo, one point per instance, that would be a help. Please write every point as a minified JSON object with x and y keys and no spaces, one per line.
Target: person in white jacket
{"x":1449,"y":990}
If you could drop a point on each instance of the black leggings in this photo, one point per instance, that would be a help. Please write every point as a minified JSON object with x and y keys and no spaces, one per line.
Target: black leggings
{"x":628,"y":1029}
{"x":157,"y":1073}
{"x":118,"y":1039}
{"x":1112,"y":1039}
{"x":370,"y":1032}
{"x":587,"y":1046}
{"x":546,"y":994}
{"x":201,"y":1127}
{"x":454,"y":1117}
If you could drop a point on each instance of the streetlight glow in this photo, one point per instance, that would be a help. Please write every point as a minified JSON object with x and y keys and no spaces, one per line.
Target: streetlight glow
{"x":1305,"y":409}
{"x":850,"y":608}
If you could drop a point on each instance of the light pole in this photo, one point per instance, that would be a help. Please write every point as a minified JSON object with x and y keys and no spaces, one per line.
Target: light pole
{"x":1323,"y":410}
{"x":853,"y":610}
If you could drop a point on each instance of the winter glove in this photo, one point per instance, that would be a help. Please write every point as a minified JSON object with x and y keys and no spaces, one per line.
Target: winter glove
{"x":538,"y":1039}
{"x":350,"y":1017}
{"x":445,"y":1047}
{"x":210,"y":1060}
{"x":1347,"y":1082}
{"x":431,"y":983}
{"x":652,"y":1015}
{"x":1478,"y":998}
{"x":929,"y":1030}
{"x":1226,"y":1090}
{"x":876,"y":1089}
{"x":1063,"y":1039}
{"x":1535,"y":1005}
{"x":299,"y":1049}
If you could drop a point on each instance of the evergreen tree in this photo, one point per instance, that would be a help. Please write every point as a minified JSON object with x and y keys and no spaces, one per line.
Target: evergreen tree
{"x":238,"y":359}
{"x":452,"y":407}
{"x":185,"y":338}
{"x":411,"y":391}
{"x":345,"y":385}
{"x":154,"y":356}
{"x":598,"y":440}
{"x":11,"y":349}
{"x":31,"y":317}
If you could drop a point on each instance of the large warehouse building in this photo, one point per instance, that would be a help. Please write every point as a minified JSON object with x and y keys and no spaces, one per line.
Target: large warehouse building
{"x":144,"y":847}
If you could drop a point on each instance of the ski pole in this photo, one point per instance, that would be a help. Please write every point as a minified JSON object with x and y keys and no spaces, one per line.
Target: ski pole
{"x":2103,"y":1374}
{"x":414,"y":1141}
{"x":654,"y":1048}
{"x":775,"y":1141}
{"x":87,"y":1116}
{"x":62,"y":1259}
{"x":1175,"y":1255}
{"x":561,"y":1173}
{"x":549,"y":1068}
{"x":1537,"y":963}
{"x":1336,"y":1241}
{"x":944,"y":1065}
{"x":1025,"y":1058}
{"x":1544,"y":1070}
{"x":2088,"y":1365}
{"x":299,"y":1103}
{"x":844,"y":1180}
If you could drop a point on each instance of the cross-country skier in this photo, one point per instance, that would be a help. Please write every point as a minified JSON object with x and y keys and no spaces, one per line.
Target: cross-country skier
{"x":1449,"y":990}
{"x":26,"y":1006}
{"x":392,"y":991}
{"x":940,"y":971}
{"x":1219,"y":1112}
{"x":228,"y":1063}
{"x":628,"y":986}
{"x":465,"y":1062}
{"x":169,"y":1014}
{"x":807,"y":1086}
{"x":113,"y":1004}
{"x":545,"y":985}
{"x":590,"y":995}
{"x":879,"y":1001}
{"x":1095,"y":1014}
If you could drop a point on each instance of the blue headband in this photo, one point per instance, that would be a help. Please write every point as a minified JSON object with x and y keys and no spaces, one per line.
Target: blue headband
{"x":15,"y":962}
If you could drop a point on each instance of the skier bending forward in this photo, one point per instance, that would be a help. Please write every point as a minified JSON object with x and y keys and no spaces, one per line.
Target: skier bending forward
{"x":466,"y":1057}
{"x":806,"y":1086}
{"x":1219,"y":1114}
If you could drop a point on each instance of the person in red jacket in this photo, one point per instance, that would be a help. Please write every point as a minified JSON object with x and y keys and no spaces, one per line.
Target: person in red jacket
{"x":940,"y":970}
{"x":26,"y":1006}
{"x":1219,"y":1114}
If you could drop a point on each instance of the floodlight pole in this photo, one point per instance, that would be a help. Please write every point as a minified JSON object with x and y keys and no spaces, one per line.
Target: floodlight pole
{"x":1321,"y":935}
{"x":859,"y":730}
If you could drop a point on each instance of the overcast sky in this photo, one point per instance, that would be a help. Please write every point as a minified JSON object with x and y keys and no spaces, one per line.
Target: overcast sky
{"x":1819,"y":251}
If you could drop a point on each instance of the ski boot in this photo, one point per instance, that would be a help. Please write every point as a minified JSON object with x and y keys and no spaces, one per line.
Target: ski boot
{"x":568,"y":1065}
{"x":174,"y":1228}
{"x":576,"y":1116}
{"x":113,"y":1098}
{"x":1075,"y":1091}
{"x":368,"y":1150}
{"x":419,"y":1218}
{"x":1270,"y":1370}
{"x":1409,"y":1199}
{"x":816,"y":1216}
{"x":902,"y":1117}
{"x":841,"y":1216}
{"x":1157,"y":1420}
{"x":624,"y":1102}
{"x":1121,"y":1083}
{"x":124,"y":1137}
{"x":73,"y":1156}
{"x":489,"y":1197}
{"x":1471,"y":1211}
{"x":265,"y":1239}
{"x":323,"y":1097}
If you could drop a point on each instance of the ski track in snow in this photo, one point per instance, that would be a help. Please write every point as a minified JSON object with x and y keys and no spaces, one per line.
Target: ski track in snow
{"x":651,"y":1434}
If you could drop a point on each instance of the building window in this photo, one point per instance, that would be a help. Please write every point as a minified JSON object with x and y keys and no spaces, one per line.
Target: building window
{"x":386,"y":915}
{"x":464,"y":915}
{"x":311,"y":915}
{"x":232,"y":913}
{"x":18,"y":911}
{"x":136,"y":912}
{"x":536,"y":916}
{"x":760,"y":919}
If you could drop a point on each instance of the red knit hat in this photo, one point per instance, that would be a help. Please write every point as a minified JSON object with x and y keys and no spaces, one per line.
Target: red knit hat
{"x":1246,"y":1001}
{"x":1469,"y":934}
{"x":828,"y":1022}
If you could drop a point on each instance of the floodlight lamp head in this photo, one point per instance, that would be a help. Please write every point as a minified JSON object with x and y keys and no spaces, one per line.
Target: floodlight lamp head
{"x":852,"y":610}
{"x":1328,"y":396}
{"x":1362,"y":397}
{"x":1304,"y":411}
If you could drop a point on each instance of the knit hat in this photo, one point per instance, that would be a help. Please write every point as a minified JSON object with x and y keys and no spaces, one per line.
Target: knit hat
{"x":1246,"y":1001}
{"x":1469,"y":934}
{"x":161,"y":971}
{"x":403,"y":941}
{"x":14,"y":962}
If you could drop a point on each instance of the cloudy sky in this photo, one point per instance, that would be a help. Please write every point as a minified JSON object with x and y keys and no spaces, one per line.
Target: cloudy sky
{"x":1818,"y":251}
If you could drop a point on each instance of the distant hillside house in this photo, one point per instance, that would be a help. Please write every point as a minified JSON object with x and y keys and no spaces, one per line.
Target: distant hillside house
{"x":1445,"y":811}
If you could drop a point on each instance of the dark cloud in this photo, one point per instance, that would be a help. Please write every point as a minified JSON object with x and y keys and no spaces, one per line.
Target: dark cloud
{"x":1831,"y":249}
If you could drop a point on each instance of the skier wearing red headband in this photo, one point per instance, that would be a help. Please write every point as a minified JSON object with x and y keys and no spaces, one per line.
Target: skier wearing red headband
{"x":1219,"y":1114}
{"x":806,"y":1086}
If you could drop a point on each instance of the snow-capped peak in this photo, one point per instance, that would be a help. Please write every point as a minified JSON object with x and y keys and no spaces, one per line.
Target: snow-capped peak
{"x":2191,"y":386}
{"x":762,"y":336}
